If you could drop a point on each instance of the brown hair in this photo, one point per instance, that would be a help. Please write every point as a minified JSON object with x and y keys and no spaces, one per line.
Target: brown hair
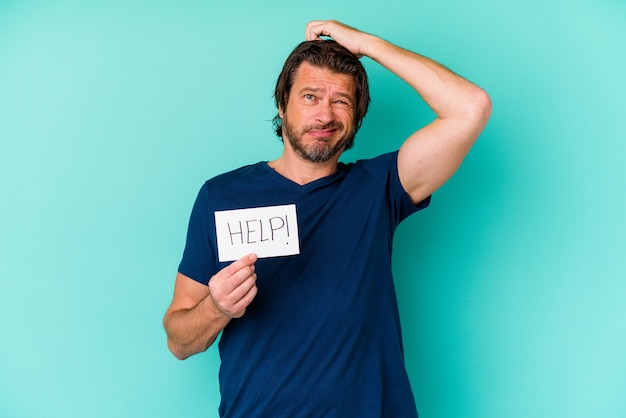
{"x":325,"y":54}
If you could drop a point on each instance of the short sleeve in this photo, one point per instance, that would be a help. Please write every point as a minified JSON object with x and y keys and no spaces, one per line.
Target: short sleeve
{"x":385,"y":169}
{"x":199,"y":256}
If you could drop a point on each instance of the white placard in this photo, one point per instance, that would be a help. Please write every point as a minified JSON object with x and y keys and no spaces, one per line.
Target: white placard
{"x":268,"y":231}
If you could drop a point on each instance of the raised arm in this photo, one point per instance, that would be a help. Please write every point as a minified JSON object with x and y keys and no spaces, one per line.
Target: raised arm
{"x":431,"y":155}
{"x":198,"y":313}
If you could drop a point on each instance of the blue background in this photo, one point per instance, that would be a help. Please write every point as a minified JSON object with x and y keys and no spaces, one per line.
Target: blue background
{"x":112,"y":114}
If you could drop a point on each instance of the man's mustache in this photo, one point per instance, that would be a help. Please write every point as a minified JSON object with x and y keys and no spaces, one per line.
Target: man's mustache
{"x":330,"y":125}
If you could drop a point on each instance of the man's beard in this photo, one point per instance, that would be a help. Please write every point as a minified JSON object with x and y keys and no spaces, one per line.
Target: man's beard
{"x":320,"y":151}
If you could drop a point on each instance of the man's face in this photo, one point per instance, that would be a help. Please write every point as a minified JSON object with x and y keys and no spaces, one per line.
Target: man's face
{"x":318,"y":120}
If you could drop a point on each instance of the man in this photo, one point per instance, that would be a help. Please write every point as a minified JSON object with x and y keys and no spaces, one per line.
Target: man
{"x":317,"y":334}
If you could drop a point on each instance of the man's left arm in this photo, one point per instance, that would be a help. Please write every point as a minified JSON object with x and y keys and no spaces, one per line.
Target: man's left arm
{"x":431,"y":155}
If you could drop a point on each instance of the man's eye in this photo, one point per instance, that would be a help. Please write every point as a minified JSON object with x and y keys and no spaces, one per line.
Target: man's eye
{"x":309,"y":96}
{"x":342,"y":103}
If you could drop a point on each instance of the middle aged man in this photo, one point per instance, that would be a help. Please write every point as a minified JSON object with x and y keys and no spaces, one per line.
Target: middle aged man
{"x":317,"y":333}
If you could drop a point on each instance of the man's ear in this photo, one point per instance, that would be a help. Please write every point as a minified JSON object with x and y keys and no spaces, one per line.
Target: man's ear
{"x":280,"y":111}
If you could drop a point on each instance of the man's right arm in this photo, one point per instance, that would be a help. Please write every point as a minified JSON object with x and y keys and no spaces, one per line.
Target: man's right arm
{"x":198,"y":313}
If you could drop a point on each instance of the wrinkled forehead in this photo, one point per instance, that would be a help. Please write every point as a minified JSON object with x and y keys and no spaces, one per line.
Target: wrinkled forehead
{"x":323,"y":79}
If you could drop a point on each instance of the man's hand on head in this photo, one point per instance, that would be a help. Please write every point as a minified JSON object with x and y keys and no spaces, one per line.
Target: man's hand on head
{"x":352,"y":39}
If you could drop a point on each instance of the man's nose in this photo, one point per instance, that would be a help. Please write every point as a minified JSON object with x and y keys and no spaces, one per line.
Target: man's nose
{"x":325,"y":113}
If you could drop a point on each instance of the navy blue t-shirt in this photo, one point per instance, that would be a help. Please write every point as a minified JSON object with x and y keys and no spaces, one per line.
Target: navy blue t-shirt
{"x":322,"y":337}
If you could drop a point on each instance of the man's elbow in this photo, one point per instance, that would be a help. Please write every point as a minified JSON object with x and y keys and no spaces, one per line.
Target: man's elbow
{"x":177,"y":351}
{"x":186,"y":350}
{"x":480,"y":108}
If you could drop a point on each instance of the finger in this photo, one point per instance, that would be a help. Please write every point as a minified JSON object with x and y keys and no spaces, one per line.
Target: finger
{"x":230,"y":301}
{"x":242,"y":288}
{"x":231,"y":276}
{"x":235,"y":303}
{"x":235,"y":266}
{"x":239,"y":307}
{"x":239,"y":278}
{"x":315,"y":29}
{"x":244,"y":302}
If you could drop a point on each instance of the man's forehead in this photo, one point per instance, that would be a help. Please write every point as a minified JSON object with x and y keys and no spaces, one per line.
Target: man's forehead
{"x":315,"y":77}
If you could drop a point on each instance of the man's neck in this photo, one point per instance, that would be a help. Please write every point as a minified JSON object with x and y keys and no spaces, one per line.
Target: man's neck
{"x":301,"y":171}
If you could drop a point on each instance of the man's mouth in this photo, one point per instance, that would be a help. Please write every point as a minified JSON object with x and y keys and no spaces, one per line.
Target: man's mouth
{"x":323,"y":132}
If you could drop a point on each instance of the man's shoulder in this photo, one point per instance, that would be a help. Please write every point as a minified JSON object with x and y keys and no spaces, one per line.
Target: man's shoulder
{"x":377,"y":166}
{"x":384,"y":159}
{"x":241,"y":187}
{"x":238,"y":174}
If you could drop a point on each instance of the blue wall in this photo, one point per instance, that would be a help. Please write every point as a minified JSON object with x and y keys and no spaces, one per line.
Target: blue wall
{"x":511,"y":285}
